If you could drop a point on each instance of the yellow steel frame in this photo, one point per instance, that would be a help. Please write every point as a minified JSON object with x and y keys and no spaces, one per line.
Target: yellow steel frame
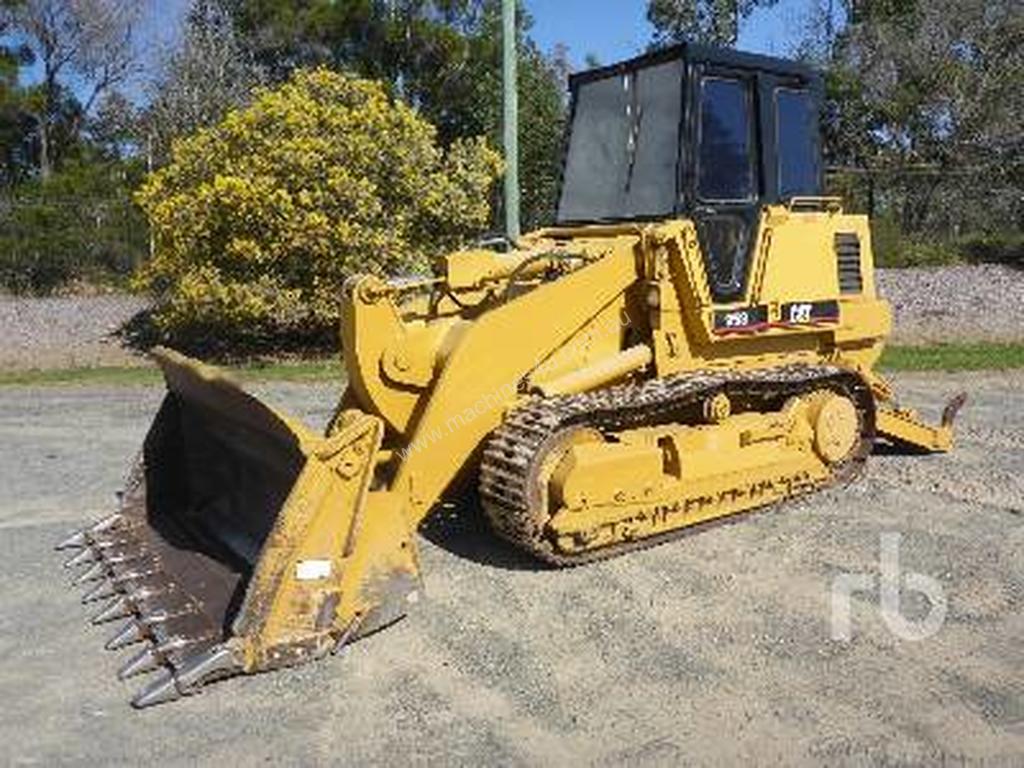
{"x":429,"y":380}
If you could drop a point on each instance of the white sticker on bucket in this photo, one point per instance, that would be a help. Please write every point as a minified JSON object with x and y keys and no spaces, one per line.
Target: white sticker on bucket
{"x":312,"y":570}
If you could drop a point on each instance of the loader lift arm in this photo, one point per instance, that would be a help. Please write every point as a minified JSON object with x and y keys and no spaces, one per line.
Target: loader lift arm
{"x":482,"y":376}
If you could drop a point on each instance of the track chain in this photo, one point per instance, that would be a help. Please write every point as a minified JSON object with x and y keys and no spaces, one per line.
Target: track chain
{"x":513,"y":455}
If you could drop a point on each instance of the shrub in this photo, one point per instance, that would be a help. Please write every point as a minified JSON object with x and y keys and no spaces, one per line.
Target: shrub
{"x":1002,"y":248}
{"x":80,"y":225}
{"x":259,"y":219}
{"x":894,"y":249}
{"x":37,"y":252}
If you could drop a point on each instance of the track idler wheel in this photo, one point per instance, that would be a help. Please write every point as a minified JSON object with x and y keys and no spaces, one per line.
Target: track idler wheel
{"x":837,"y":429}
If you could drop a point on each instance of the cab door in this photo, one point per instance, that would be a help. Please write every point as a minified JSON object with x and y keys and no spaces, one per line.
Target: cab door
{"x":727,"y":194}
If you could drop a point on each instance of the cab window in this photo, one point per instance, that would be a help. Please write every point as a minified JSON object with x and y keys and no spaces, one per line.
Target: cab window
{"x":796,"y":131}
{"x":726,"y":163}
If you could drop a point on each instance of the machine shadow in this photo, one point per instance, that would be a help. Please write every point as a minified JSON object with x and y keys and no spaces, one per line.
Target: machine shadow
{"x":885,"y":448}
{"x":459,"y":526}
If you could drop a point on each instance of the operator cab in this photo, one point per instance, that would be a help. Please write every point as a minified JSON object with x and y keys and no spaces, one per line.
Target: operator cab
{"x":708,"y":133}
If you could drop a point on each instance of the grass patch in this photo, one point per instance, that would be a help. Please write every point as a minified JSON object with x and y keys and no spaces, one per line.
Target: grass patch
{"x":954,"y":357}
{"x":291,"y":371}
{"x":297,"y":370}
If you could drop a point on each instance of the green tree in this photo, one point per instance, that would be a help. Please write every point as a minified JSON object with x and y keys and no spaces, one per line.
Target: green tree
{"x":77,"y":225}
{"x":932,"y":95}
{"x":468,"y":102}
{"x":211,"y":71}
{"x":85,"y":46}
{"x":399,"y":41}
{"x":13,"y":124}
{"x":67,"y":214}
{"x":9,"y":59}
{"x":441,"y":56}
{"x":704,"y":21}
{"x":114,"y":129}
{"x":259,"y":219}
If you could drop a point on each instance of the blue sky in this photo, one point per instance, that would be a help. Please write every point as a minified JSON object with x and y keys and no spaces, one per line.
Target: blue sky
{"x":618,"y":29}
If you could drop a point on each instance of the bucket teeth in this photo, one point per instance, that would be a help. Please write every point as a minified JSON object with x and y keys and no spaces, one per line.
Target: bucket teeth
{"x":162,"y":690}
{"x":155,"y":617}
{"x":131,"y":633}
{"x":119,"y":609}
{"x":107,"y":523}
{"x":189,"y":676}
{"x":80,"y":538}
{"x":124,"y":557}
{"x":145,"y":661}
{"x":102,"y":591}
{"x":137,"y":573}
{"x":96,"y":573}
{"x":143,"y":592}
{"x":74,"y":541}
{"x":84,"y":556}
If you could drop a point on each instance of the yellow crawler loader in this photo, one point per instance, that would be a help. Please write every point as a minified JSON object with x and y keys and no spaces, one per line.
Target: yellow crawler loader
{"x":695,"y":337}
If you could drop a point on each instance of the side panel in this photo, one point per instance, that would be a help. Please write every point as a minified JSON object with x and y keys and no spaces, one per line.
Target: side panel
{"x":822,"y":259}
{"x":798,"y":261}
{"x":796,"y":307}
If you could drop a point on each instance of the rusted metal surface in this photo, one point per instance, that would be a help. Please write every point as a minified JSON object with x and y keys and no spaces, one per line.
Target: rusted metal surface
{"x":244,"y":542}
{"x":176,"y":559}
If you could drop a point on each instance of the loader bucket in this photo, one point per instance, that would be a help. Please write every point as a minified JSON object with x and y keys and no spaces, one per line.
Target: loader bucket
{"x":244,"y":541}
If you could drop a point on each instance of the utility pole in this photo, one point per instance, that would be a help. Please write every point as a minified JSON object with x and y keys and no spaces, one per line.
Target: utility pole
{"x":511,"y":121}
{"x":830,"y":29}
{"x":149,"y":170}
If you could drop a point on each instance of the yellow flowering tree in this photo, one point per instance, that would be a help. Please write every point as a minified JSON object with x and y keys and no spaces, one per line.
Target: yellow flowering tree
{"x":258,"y":220}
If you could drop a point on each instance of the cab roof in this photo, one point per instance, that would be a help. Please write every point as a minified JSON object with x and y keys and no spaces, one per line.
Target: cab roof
{"x":697,"y":53}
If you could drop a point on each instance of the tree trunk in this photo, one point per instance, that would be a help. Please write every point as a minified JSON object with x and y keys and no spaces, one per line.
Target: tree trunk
{"x":45,"y":161}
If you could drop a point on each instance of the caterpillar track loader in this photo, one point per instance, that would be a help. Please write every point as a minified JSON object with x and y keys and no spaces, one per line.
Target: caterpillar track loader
{"x":694,"y":338}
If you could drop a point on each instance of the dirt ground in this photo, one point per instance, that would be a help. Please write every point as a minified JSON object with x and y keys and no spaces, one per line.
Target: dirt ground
{"x":963,"y":303}
{"x":712,"y":649}
{"x":66,"y":331}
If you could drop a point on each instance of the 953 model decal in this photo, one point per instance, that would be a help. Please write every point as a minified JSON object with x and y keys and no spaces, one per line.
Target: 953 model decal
{"x":742,"y":320}
{"x":758,"y":317}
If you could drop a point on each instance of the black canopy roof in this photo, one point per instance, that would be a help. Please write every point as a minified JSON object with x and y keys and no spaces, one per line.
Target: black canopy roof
{"x":633,"y":150}
{"x":699,"y":53}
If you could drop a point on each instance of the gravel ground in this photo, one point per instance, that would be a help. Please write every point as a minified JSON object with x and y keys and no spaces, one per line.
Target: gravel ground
{"x":948,"y":304}
{"x":713,"y":649}
{"x":66,"y":332}
{"x":979,"y":303}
